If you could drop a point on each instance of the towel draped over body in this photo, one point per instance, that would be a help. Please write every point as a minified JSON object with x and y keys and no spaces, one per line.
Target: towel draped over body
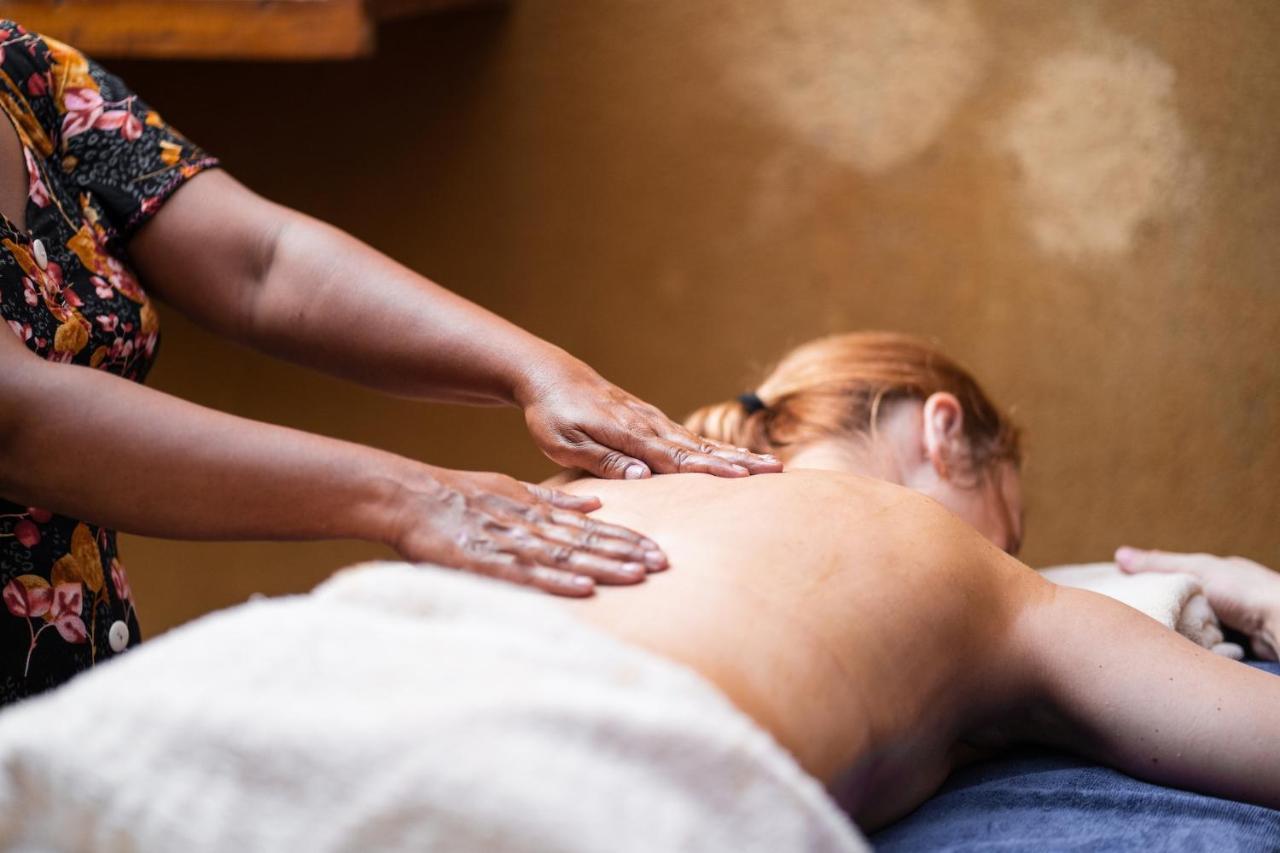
{"x":400,"y":708}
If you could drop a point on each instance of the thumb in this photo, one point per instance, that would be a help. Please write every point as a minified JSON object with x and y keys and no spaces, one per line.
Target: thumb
{"x":1137,"y":560}
{"x":563,"y":500}
{"x":609,"y":464}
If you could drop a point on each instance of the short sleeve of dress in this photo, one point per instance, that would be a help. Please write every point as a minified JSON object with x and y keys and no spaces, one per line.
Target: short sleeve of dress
{"x":105,"y":140}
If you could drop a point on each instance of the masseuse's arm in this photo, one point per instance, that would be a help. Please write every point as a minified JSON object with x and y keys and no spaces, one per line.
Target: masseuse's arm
{"x":91,"y":445}
{"x":294,"y":287}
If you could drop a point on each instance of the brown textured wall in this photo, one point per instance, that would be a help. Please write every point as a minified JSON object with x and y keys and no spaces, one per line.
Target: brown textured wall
{"x":1077,"y":200}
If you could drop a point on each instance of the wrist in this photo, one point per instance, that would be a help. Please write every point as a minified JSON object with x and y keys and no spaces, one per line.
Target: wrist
{"x":540,"y":370}
{"x":386,"y":501}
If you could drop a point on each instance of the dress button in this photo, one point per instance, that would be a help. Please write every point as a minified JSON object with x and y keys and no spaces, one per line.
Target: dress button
{"x":118,"y":636}
{"x":42,"y":257}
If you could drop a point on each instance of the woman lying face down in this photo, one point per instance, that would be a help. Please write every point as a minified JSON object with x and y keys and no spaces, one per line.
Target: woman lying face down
{"x":875,"y":634}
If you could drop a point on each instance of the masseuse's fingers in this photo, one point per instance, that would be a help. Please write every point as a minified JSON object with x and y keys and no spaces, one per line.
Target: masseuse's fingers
{"x":606,"y":539}
{"x":667,"y":448}
{"x":663,"y":457}
{"x":578,"y":531}
{"x":560,"y":565}
{"x":583,"y":421}
{"x":508,"y":567}
{"x":688,"y":452}
{"x":565,"y":557}
{"x":672,"y":448}
{"x":1136,"y":560}
{"x":543,"y":534}
{"x":497,"y":526}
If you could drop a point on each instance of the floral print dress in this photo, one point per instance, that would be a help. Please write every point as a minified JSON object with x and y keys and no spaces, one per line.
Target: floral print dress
{"x":100,"y":163}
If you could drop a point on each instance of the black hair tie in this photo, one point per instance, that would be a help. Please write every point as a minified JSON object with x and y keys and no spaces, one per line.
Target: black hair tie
{"x":751,"y":403}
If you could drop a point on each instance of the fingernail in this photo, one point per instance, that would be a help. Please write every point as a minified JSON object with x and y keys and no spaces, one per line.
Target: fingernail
{"x":634,"y":472}
{"x":633,"y":570}
{"x":582,"y":581}
{"x":655,"y":560}
{"x":1125,"y":553}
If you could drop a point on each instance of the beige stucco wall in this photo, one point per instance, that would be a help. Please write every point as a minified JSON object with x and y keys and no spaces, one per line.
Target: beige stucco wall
{"x":1078,"y":200}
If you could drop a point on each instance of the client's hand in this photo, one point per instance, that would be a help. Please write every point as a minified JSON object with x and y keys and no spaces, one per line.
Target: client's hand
{"x":581,"y":420}
{"x":1244,"y":594}
{"x":497,"y":526}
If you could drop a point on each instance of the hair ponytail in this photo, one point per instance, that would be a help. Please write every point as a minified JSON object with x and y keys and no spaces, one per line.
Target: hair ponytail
{"x":731,"y":423}
{"x":835,"y":387}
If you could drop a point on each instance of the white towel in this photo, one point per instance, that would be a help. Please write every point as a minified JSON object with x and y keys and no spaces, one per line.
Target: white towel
{"x":400,"y":708}
{"x":1176,"y":601}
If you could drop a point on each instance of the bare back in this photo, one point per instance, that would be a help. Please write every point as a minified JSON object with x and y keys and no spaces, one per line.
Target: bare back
{"x":859,"y":622}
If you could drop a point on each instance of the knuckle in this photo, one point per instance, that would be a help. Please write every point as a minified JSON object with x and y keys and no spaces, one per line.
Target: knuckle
{"x":489,"y":503}
{"x":538,"y":515}
{"x":574,"y":439}
{"x":520,"y":536}
{"x":509,"y":569}
{"x":477,"y":545}
{"x":613,"y":461}
{"x":484,"y":564}
{"x":526,"y":512}
{"x":564,"y":518}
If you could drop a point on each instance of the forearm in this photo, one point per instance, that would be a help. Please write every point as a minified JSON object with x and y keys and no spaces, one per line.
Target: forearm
{"x":84,"y":443}
{"x":1138,"y":696}
{"x":330,"y":302}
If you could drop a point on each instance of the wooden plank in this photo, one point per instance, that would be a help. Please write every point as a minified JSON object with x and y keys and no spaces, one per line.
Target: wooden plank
{"x":385,"y":10}
{"x":202,"y":29}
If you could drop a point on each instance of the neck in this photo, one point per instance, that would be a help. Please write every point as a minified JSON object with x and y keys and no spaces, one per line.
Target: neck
{"x":865,"y":458}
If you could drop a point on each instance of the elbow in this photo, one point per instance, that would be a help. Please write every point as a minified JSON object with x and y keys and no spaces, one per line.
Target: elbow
{"x":266,"y":259}
{"x":31,"y":392}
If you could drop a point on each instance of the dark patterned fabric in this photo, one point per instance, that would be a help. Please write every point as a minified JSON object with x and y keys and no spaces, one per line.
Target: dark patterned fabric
{"x":99,"y":164}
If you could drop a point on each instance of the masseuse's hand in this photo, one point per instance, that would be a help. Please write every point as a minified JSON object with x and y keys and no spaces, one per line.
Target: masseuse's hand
{"x":1244,"y":594}
{"x":581,"y":420}
{"x":497,"y":526}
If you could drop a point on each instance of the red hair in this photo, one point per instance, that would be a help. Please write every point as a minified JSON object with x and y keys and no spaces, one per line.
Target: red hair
{"x":834,"y":387}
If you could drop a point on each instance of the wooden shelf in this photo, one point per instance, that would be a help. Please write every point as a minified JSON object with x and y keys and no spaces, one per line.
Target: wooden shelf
{"x":216,"y":29}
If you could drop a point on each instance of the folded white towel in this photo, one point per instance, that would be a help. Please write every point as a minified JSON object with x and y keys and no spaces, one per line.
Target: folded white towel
{"x":400,"y":708}
{"x":1176,"y":601}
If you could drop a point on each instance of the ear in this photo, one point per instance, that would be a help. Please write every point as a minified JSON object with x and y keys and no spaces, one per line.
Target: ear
{"x":943,"y":432}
